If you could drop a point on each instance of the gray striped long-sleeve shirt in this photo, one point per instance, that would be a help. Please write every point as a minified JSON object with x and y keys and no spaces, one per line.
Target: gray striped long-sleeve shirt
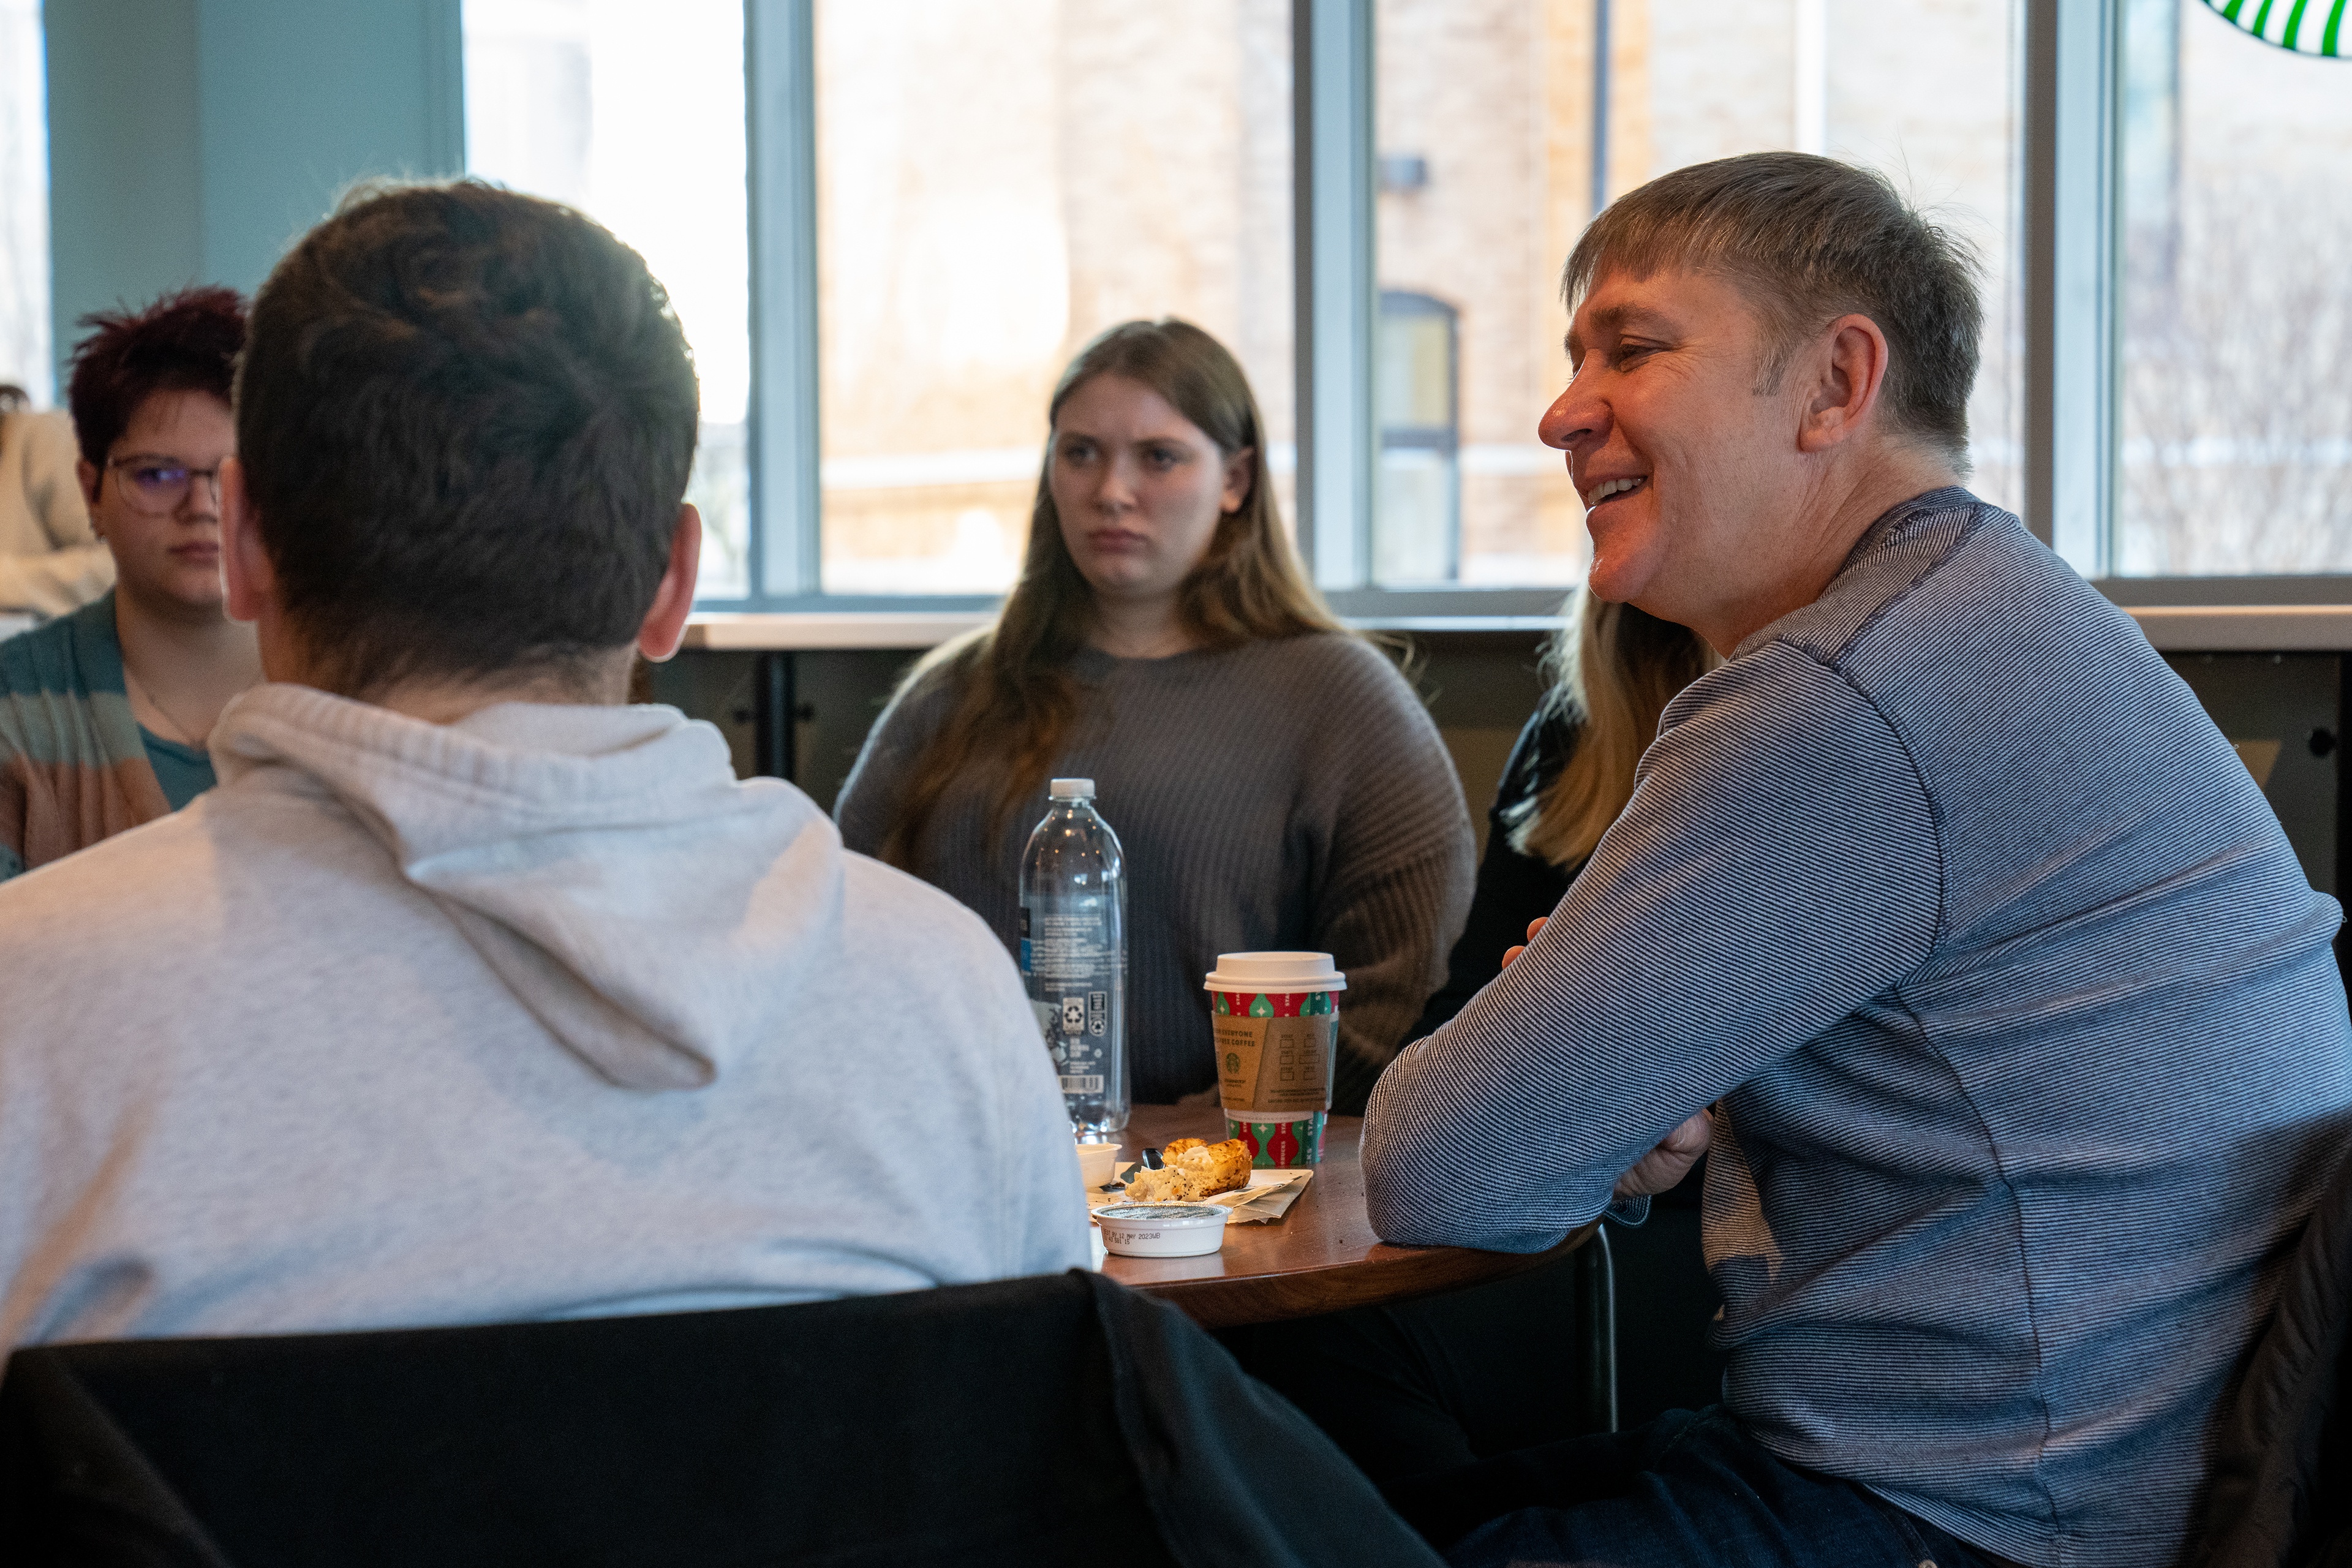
{"x":1290,"y":792}
{"x":2031,"y":1051}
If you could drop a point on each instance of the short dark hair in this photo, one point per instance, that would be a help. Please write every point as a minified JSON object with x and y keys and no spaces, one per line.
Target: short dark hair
{"x":1807,"y":240}
{"x":186,"y":341}
{"x":465,"y":418}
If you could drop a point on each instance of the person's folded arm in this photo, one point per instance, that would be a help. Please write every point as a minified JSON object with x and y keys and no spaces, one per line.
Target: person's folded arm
{"x":1778,"y":865}
{"x":76,"y":567}
{"x":57,"y":581}
{"x":1387,"y":936}
{"x":1398,"y":863}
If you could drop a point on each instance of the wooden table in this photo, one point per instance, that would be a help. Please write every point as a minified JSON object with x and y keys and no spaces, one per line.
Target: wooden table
{"x":1320,"y":1258}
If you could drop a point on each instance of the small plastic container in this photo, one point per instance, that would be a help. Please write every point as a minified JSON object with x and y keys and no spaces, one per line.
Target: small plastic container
{"x":1163,"y":1230}
{"x":1098,"y":1163}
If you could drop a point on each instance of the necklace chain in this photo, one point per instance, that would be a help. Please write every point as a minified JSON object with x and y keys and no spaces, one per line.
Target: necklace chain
{"x":188,"y":737}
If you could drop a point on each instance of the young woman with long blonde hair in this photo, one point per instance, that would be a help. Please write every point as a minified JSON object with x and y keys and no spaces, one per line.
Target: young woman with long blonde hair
{"x":1610,"y":673}
{"x":1274,"y":782}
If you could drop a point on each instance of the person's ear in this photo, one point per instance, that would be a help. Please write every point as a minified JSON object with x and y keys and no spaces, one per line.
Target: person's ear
{"x":1846,"y":373}
{"x":246,"y":574}
{"x":87,"y":475}
{"x":665,"y":622}
{"x":1238,"y":470}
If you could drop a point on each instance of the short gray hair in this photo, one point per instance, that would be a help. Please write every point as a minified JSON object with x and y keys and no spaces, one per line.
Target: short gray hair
{"x":1807,"y":240}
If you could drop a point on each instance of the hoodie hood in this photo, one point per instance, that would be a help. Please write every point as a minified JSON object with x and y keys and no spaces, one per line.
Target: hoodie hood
{"x":652,"y":910}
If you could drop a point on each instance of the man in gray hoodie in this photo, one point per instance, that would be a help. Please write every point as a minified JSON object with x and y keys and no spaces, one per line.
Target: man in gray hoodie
{"x":474,"y":993}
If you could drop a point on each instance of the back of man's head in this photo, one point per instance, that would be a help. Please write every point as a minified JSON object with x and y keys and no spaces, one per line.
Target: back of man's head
{"x":1808,"y":239}
{"x":465,"y":419}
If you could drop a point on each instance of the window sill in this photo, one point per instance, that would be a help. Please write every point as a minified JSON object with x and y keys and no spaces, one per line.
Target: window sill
{"x":2172,"y":628}
{"x":2246,"y":628}
{"x":815,"y":630}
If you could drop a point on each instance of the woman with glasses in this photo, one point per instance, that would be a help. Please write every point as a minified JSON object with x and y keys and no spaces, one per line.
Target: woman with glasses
{"x":104,"y":712}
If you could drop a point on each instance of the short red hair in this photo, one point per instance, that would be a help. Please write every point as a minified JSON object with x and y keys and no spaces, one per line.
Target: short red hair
{"x":186,"y":341}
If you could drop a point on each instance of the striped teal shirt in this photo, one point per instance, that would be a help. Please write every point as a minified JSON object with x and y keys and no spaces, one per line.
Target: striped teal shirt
{"x":74,"y":763}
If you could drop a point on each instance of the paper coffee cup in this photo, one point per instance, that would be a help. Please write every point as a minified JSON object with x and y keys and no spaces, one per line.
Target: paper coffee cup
{"x":1276,"y":1027}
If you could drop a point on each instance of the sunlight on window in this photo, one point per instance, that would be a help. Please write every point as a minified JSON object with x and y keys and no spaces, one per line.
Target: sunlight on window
{"x":2236,"y":412}
{"x":995,"y":185}
{"x":635,"y":115}
{"x":1493,"y":119}
{"x":25,"y":356}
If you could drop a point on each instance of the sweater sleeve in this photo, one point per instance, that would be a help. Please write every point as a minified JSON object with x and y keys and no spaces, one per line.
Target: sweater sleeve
{"x":1399,"y":865}
{"x":1513,"y":888}
{"x":1778,"y":865}
{"x":869,"y":795}
{"x":74,"y":567}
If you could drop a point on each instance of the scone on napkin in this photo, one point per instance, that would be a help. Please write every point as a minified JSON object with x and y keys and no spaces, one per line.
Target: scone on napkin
{"x":1195,"y":1169}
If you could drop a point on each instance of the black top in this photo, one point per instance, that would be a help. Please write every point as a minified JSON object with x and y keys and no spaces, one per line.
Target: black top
{"x":1513,"y":888}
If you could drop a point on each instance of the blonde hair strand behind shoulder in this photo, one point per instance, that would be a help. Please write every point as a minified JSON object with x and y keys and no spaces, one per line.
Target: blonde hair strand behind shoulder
{"x":1615,"y":669}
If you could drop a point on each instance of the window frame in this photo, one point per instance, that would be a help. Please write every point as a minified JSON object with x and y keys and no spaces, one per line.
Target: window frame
{"x":2071,"y":64}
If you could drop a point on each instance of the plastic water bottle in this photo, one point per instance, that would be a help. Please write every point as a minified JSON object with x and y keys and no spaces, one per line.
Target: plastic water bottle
{"x":1074,"y":953}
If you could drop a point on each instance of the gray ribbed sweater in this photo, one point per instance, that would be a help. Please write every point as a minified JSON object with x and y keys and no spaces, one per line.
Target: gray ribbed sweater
{"x":1290,"y":793}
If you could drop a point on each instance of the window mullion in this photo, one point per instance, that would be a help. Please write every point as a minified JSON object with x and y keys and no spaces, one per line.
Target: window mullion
{"x":1332,"y":198}
{"x":2073,"y":67}
{"x":780,"y":38}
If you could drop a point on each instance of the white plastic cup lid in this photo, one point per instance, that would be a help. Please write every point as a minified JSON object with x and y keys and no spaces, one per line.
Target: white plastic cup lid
{"x":1070,"y":789}
{"x":1255,"y":974}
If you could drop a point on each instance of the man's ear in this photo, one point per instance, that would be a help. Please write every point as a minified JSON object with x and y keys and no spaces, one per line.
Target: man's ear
{"x":664,"y":623}
{"x":246,"y":571}
{"x":87,"y":475}
{"x":1847,"y":370}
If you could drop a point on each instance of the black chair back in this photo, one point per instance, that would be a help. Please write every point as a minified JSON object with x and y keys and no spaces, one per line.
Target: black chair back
{"x":1055,"y":1419}
{"x":2282,"y":1482}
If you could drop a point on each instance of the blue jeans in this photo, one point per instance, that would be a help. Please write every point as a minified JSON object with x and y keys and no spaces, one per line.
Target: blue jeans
{"x":1684,"y":1491}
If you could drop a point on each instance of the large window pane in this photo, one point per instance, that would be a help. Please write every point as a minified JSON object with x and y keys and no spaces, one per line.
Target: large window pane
{"x":1486,"y":123}
{"x":25,"y":357}
{"x":2236,"y":406}
{"x":995,"y":185}
{"x":635,"y":115}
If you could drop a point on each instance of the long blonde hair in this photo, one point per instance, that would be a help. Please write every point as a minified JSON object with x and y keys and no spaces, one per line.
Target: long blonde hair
{"x":1614,"y":667}
{"x":1017,"y":700}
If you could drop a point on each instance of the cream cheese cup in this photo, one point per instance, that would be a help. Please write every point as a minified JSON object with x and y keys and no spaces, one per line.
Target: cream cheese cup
{"x":1098,"y":1163}
{"x":1163,"y":1230}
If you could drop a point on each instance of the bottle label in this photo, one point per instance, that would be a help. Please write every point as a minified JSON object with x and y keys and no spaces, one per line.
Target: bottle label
{"x":1076,"y":979}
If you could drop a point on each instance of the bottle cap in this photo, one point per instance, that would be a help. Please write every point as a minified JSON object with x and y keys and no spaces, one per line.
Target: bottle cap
{"x":1070,"y":789}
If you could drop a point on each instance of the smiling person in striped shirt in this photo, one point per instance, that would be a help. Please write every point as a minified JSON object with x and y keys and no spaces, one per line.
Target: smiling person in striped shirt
{"x":2028,"y":1053}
